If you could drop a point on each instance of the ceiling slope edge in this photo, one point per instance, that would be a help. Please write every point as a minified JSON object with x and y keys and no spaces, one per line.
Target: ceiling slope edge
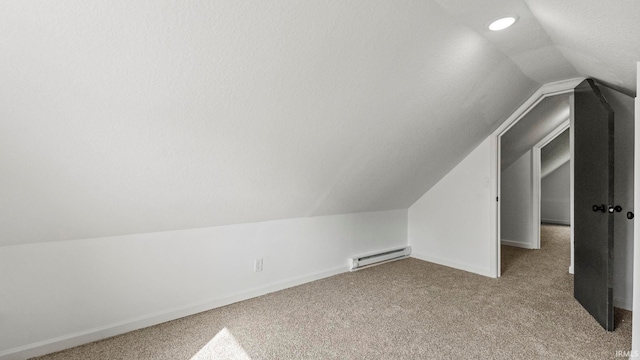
{"x":546,"y":90}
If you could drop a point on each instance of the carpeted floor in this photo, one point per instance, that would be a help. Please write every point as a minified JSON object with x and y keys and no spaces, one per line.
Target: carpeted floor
{"x":407,"y":309}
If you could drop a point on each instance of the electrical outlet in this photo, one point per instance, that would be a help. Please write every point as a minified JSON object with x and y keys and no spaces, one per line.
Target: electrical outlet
{"x":258,"y":265}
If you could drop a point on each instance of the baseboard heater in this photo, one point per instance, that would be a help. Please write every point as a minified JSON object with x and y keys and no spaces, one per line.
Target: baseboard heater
{"x":361,"y":262}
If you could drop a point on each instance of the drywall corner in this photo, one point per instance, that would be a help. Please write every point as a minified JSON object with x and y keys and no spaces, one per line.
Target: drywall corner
{"x":451,"y":223}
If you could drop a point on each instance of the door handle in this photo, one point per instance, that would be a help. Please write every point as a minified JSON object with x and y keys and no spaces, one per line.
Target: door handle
{"x":629,"y":215}
{"x":597,"y":208}
{"x":617,"y":208}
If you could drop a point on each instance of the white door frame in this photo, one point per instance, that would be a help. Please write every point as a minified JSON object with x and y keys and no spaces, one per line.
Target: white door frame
{"x":536,"y":174}
{"x":543,"y":92}
{"x":635,"y":330}
{"x":557,"y":88}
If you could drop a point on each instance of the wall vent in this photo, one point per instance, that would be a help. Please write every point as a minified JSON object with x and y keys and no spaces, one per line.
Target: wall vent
{"x":361,"y":262}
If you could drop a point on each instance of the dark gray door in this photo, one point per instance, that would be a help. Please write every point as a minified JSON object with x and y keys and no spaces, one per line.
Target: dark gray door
{"x":593,"y":200}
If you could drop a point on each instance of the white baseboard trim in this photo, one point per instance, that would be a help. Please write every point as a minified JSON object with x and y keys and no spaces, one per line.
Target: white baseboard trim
{"x":68,"y":341}
{"x":515,"y":244}
{"x":556,"y":222}
{"x":571,"y":270}
{"x":453,"y":264}
{"x":622,"y":303}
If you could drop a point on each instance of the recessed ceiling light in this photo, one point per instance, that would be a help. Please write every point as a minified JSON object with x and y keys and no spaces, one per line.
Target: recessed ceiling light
{"x":502,"y":23}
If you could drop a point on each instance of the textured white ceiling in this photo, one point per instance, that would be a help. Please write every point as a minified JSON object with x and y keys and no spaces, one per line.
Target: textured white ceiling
{"x":526,"y":43}
{"x":548,"y":115}
{"x":122,"y":117}
{"x":601,"y":39}
{"x":555,"y":154}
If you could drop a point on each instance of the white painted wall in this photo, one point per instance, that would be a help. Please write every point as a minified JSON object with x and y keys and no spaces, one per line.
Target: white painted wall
{"x":450,"y":224}
{"x":59,"y":294}
{"x":635,"y":342}
{"x":516,"y":185}
{"x":555,"y":196}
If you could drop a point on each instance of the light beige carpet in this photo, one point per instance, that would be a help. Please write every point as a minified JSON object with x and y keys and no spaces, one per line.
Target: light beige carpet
{"x":408,"y":309}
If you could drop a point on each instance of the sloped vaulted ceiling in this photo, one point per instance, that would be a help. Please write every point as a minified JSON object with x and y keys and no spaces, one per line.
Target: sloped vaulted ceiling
{"x":121,"y":117}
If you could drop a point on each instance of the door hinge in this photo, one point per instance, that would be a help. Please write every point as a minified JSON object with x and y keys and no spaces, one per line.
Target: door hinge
{"x":497,"y":198}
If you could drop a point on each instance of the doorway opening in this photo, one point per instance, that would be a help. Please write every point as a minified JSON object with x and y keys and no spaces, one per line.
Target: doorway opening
{"x":522,"y":172}
{"x":552,"y":186}
{"x":513,"y":217}
{"x":552,"y":190}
